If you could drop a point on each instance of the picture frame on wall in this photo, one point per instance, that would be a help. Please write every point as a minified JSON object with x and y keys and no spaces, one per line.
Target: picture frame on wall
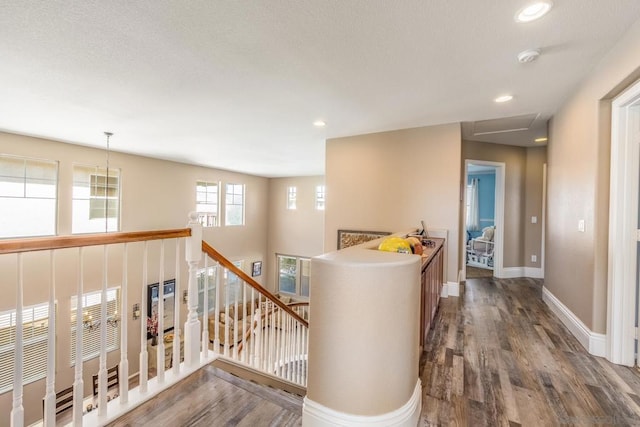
{"x":153,"y":292}
{"x":256,"y":268}
{"x":347,"y":238}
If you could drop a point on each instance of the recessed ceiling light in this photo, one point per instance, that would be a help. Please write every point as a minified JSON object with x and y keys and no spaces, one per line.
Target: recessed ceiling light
{"x":534,"y":11}
{"x":319,"y":123}
{"x":543,"y":139}
{"x":504,"y":98}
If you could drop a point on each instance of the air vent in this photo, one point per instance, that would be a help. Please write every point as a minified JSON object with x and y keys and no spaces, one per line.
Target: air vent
{"x":506,"y":124}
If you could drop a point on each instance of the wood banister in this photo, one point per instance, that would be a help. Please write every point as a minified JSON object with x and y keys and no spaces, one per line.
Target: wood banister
{"x":63,"y":242}
{"x":206,"y":248}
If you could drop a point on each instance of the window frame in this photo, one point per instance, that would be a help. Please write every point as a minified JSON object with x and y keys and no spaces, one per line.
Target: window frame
{"x":227,"y":205}
{"x":26,"y":180}
{"x":93,"y":197}
{"x":204,"y":215}
{"x":292,"y":195}
{"x":298,"y":275}
{"x":321,"y":197}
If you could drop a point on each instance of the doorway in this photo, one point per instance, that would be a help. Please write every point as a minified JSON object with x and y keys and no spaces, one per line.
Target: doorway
{"x":624,"y":229}
{"x":483,"y":219}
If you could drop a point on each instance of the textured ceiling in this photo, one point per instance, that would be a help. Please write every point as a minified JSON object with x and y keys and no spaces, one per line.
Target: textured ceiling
{"x":238,"y":84}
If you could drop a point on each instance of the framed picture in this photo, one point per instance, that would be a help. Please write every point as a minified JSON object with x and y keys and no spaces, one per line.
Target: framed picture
{"x":256,"y":268}
{"x":169,"y":301}
{"x":348,"y":238}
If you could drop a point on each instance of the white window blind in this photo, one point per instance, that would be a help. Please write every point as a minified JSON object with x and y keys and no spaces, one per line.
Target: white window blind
{"x":91,"y":311}
{"x":96,"y":199}
{"x":28,"y":194}
{"x":207,"y":203}
{"x":35,"y":327}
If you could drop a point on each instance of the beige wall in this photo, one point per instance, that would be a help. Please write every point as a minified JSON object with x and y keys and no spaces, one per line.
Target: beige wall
{"x":515,"y":165}
{"x":578,"y":185}
{"x":156,"y":194}
{"x":390,"y":181}
{"x":533,"y":185}
{"x":298,"y":232}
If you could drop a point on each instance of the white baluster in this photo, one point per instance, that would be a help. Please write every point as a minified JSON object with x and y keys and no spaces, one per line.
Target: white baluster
{"x":160,"y":352}
{"x":205,"y":309}
{"x":258,"y":334}
{"x":216,"y":331}
{"x":50,"y":395}
{"x":235,"y":321}
{"x":102,"y":372}
{"x":254,"y":326}
{"x":176,"y":314}
{"x":17,"y":411}
{"x":227,"y":336}
{"x":246,"y":313}
{"x":102,"y":369}
{"x":124,"y":331}
{"x":193,"y":252}
{"x":279,"y":346}
{"x":144,"y":361}
{"x":78,"y":384}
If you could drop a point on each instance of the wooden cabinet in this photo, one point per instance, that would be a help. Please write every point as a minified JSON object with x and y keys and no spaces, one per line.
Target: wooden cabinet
{"x":431,"y":282}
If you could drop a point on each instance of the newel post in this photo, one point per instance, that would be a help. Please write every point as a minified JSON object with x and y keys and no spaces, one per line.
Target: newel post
{"x":193,"y":253}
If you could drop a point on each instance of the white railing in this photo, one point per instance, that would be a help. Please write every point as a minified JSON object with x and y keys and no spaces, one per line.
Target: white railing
{"x":246,"y":323}
{"x":249,"y":326}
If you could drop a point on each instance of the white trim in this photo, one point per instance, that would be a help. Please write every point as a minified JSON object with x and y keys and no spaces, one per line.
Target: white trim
{"x":510,"y":273}
{"x":316,"y":415}
{"x":534,"y":272}
{"x":452,"y":289}
{"x":593,"y":342}
{"x":623,"y":220}
{"x":498,"y":213}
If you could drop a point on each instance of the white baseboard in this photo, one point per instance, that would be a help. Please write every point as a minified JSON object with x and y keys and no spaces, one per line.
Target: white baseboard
{"x":317,"y":415}
{"x":534,"y":272}
{"x":513,"y":272}
{"x":593,"y":342}
{"x":453,"y":289}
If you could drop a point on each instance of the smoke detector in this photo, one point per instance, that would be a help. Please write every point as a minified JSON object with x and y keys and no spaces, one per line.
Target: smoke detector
{"x":528,"y":55}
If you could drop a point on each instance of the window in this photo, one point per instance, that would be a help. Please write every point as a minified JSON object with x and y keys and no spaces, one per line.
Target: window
{"x":320,"y":199}
{"x":291,"y":197}
{"x":293,"y":275}
{"x":35,"y":322}
{"x":208,"y":276}
{"x":234,"y":206}
{"x":96,"y":199}
{"x":207,"y":201}
{"x":91,"y":303}
{"x":28,"y":192}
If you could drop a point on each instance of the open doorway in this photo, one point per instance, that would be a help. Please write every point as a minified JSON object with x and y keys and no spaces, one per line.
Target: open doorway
{"x":483,"y":219}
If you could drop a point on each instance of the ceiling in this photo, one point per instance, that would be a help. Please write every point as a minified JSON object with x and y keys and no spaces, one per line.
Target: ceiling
{"x":237,"y":84}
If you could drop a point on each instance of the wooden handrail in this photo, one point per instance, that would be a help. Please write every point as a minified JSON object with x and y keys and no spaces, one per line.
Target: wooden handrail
{"x":206,"y":248}
{"x":63,"y":242}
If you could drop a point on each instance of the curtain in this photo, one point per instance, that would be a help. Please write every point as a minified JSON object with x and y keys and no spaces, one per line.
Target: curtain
{"x":473,"y":217}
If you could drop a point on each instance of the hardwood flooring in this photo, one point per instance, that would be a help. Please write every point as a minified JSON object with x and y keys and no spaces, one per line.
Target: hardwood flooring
{"x":212,"y":397}
{"x":475,"y":272}
{"x":498,"y":357}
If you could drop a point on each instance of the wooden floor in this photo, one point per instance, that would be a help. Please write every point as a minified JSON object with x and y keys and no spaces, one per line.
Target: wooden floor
{"x":212,"y":397}
{"x":498,"y":357}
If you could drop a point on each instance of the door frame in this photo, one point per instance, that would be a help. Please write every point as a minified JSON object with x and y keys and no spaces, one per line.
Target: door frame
{"x":498,"y":216}
{"x":623,"y":235}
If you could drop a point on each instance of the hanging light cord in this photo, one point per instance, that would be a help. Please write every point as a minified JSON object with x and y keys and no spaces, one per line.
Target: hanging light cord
{"x":106,"y":188}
